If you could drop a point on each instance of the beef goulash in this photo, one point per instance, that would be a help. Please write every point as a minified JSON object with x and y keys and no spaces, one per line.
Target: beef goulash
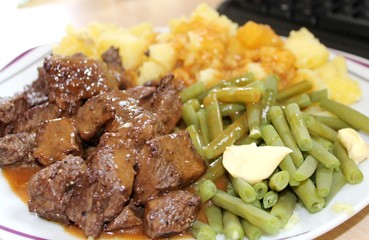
{"x":108,"y":154}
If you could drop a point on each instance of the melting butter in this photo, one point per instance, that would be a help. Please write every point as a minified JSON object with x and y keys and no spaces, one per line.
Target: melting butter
{"x":357,"y":148}
{"x":253,"y":163}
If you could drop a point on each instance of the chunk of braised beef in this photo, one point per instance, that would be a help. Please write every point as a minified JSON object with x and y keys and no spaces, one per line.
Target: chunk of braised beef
{"x":51,"y":188}
{"x":166,"y":103}
{"x":10,"y":108}
{"x":38,"y":91}
{"x":131,"y":216}
{"x":114,"y":62}
{"x":106,"y":187}
{"x":30,"y":119}
{"x":77,"y":78}
{"x":135,"y":122}
{"x":170,"y":214}
{"x":142,"y":94}
{"x":17,"y":149}
{"x":55,"y":139}
{"x":93,"y":115}
{"x":166,"y":163}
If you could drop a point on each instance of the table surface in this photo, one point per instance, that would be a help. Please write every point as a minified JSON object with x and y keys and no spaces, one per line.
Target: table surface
{"x":36,"y":22}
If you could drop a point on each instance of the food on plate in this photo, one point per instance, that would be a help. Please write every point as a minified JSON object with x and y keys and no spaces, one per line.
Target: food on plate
{"x":253,"y":163}
{"x":355,"y":145}
{"x":97,"y":143}
{"x":209,"y":47}
{"x":132,"y":129}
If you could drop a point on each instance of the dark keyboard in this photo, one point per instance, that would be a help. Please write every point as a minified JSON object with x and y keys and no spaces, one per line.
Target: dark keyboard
{"x":339,"y":24}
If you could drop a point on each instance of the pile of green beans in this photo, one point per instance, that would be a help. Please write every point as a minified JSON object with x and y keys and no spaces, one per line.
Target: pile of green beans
{"x":243,"y":111}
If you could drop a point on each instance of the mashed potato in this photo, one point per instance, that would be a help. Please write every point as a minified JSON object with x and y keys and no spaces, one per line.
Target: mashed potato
{"x":210,"y":47}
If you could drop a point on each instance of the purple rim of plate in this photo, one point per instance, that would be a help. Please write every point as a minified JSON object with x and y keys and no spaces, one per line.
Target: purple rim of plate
{"x":357,"y":61}
{"x":25,"y":235}
{"x":10,"y":230}
{"x":16,"y":59}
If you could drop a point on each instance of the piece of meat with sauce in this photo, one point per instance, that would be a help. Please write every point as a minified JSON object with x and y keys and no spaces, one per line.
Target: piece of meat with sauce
{"x":30,"y":120}
{"x":74,"y":79}
{"x":55,"y":139}
{"x":166,"y":163}
{"x":38,"y":91}
{"x":142,"y":94}
{"x":17,"y":149}
{"x":10,"y":109}
{"x":131,"y":216}
{"x":107,"y":186}
{"x":166,"y":103}
{"x":170,"y":214}
{"x":51,"y":188}
{"x":114,"y":62}
{"x":98,"y":110}
{"x":135,"y":122}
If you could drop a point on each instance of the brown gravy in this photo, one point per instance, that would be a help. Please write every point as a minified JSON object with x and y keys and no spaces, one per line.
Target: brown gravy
{"x":18,"y":179}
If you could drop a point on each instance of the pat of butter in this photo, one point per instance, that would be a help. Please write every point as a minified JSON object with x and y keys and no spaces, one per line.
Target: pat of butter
{"x":253,"y":163}
{"x":357,"y":148}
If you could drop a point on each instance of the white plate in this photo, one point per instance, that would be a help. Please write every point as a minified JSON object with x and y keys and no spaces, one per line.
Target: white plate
{"x":17,"y":223}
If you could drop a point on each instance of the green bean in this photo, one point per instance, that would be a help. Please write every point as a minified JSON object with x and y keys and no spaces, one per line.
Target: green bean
{"x":234,"y":116}
{"x":302,"y":100}
{"x":204,"y":129}
{"x":251,"y":232}
{"x":333,"y":122}
{"x":347,"y":114}
{"x":268,"y":100}
{"x":270,"y":199}
{"x":324,"y":142}
{"x":215,"y":218}
{"x":192,"y":91}
{"x":244,"y":190}
{"x":231,"y":190}
{"x":214,"y":119}
{"x":253,"y":119}
{"x":238,"y":94}
{"x":271,"y":82}
{"x":226,"y":109}
{"x":280,"y":123}
{"x":318,"y":95}
{"x":279,"y":180}
{"x":230,"y":135}
{"x":243,"y":79}
{"x":318,"y":128}
{"x":196,"y":140}
{"x":215,"y":171}
{"x":349,"y":168}
{"x":189,"y":115}
{"x":298,"y":127}
{"x":261,"y":188}
{"x":338,"y":181}
{"x":232,"y":226}
{"x":306,"y":169}
{"x":324,"y":156}
{"x":293,"y":89}
{"x":246,"y":140}
{"x":202,"y":231}
{"x":323,"y":180}
{"x":257,"y":203}
{"x":256,"y":216}
{"x":307,"y":193}
{"x":271,"y":137}
{"x":194,"y":103}
{"x":285,"y":206}
{"x":206,"y":190}
{"x":259,"y":85}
